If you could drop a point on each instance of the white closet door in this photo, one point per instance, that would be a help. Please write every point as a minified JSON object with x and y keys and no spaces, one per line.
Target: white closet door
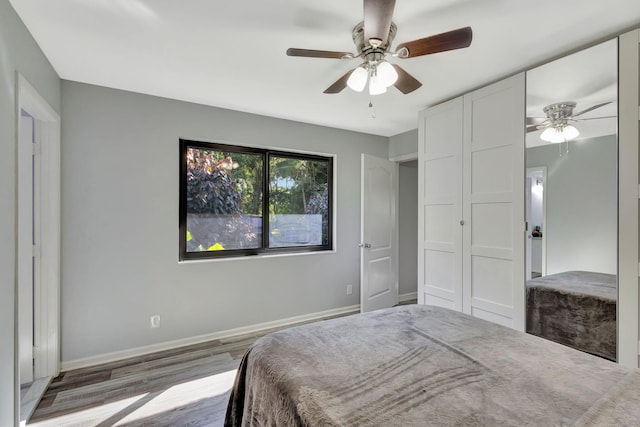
{"x":493,"y":187}
{"x":440,"y":204}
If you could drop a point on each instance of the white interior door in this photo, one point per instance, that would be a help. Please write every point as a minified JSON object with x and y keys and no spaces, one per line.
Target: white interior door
{"x":440,"y":204}
{"x":26,"y":241}
{"x":379,"y":234}
{"x":493,"y":194}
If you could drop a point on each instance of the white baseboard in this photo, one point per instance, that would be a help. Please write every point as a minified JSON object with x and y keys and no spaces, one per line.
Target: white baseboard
{"x":407,"y":297}
{"x":167,"y":345}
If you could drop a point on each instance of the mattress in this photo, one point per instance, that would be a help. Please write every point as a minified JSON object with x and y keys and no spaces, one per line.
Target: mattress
{"x":422,"y":365}
{"x":575,"y":308}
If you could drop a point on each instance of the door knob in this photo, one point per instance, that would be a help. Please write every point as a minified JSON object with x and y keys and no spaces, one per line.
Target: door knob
{"x":364,"y":245}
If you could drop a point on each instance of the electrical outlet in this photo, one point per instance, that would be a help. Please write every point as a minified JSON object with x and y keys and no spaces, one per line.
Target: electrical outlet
{"x":349,"y":289}
{"x":155,"y":321}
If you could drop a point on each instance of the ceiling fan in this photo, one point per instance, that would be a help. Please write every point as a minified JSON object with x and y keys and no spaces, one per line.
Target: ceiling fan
{"x":373,"y":38}
{"x":556,"y":124}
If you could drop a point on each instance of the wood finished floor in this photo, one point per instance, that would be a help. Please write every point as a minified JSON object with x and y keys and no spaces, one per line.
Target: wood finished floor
{"x":186,"y":386}
{"x":178,"y":387}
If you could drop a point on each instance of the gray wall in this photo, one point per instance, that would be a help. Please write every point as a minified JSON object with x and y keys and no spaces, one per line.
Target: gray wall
{"x":18,"y":51}
{"x":403,"y":144}
{"x":120,"y":225}
{"x":408,"y":228}
{"x":581,"y":188}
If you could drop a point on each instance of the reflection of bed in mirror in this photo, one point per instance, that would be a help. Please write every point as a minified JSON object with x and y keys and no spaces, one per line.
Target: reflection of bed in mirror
{"x":575,"y":308}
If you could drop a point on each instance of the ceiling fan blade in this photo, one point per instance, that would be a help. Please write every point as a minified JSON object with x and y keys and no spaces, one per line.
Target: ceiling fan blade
{"x":377,"y":20}
{"x":310,"y":53}
{"x":406,"y":83}
{"x":536,"y":120}
{"x":455,"y":39}
{"x":591,"y":108}
{"x":533,"y":128}
{"x":594,"y":118}
{"x":339,"y":84}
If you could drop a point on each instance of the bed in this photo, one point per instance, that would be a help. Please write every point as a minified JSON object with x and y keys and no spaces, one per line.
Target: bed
{"x":575,"y":308}
{"x":422,"y":365}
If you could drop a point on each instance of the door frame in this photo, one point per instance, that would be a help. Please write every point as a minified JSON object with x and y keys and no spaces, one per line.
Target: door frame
{"x":26,"y":274}
{"x":542,"y":169}
{"x":628,"y":206}
{"x":403,"y":158}
{"x":47,"y":291}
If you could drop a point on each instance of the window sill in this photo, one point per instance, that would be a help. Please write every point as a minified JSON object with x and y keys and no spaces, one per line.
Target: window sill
{"x":258,"y":256}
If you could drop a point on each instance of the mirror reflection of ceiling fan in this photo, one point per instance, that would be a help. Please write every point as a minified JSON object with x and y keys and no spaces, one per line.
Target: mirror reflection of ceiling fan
{"x":373,"y":38}
{"x":557,"y":124}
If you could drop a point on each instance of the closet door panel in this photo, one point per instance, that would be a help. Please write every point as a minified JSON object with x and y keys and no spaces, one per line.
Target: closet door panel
{"x":493,"y":202}
{"x":491,"y":225}
{"x":440,"y":201}
{"x":492,"y":293}
{"x":437,"y":191}
{"x":491,"y":170}
{"x":439,"y":267}
{"x":437,"y":225}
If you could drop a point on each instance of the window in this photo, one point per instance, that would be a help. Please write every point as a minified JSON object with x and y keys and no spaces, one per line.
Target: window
{"x":237,"y":201}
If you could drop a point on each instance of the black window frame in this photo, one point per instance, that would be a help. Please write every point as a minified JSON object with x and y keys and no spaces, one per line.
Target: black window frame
{"x":185,"y":144}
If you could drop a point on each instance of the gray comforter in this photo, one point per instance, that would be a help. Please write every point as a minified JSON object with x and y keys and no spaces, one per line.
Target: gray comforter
{"x":575,"y":308}
{"x":425,"y":366}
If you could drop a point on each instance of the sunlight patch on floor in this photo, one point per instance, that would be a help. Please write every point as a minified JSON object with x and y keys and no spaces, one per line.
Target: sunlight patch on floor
{"x":148,"y":404}
{"x":183,"y":394}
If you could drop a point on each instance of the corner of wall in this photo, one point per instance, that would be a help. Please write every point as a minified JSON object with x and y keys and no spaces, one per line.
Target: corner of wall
{"x":403,"y":145}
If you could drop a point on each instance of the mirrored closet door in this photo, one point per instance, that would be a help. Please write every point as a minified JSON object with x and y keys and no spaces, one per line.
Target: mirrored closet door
{"x":571,"y":200}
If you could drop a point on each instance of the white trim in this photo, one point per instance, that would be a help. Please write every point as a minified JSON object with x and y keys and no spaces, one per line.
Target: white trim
{"x":47,"y":294}
{"x":404,"y":157}
{"x":422,"y":117}
{"x":261,"y":256}
{"x":408,"y":297}
{"x":542,"y":169}
{"x":628,"y":102}
{"x":31,"y":399}
{"x":167,"y":345}
{"x":30,"y":100}
{"x":25,"y":249}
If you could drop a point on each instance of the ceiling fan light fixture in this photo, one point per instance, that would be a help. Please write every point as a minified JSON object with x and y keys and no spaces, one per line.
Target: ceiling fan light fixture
{"x":551,"y":134}
{"x":376,"y":87}
{"x":358,"y":79}
{"x":570,"y":132}
{"x":387,"y":75}
{"x":559,"y":134}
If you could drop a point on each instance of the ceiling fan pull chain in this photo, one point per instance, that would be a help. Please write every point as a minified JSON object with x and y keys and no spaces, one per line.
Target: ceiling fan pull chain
{"x":373,"y":109}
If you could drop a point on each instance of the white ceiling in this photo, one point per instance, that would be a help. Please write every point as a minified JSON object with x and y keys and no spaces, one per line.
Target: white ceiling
{"x":231,"y":54}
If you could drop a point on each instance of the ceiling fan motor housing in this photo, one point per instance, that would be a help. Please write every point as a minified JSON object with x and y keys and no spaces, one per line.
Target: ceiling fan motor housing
{"x":364,"y":48}
{"x":559,"y":113}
